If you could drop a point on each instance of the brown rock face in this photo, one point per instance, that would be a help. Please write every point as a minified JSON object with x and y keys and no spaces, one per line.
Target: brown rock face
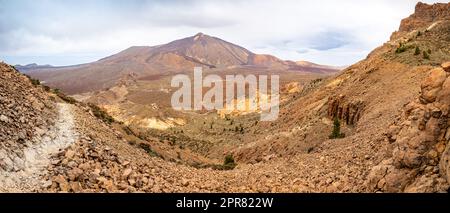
{"x":420,"y":137}
{"x":424,"y":15}
{"x":432,"y":85}
{"x":349,"y":112}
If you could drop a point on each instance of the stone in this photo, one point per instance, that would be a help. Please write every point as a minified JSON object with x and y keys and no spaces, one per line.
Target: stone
{"x":62,"y":182}
{"x":131,"y":181}
{"x":444,"y":93}
{"x":69,"y":154}
{"x":84,"y":166}
{"x":75,"y":186}
{"x":446,"y":66}
{"x":46,"y":183}
{"x":108,"y":185}
{"x":59,"y":179}
{"x":432,"y":85}
{"x":4,"y":119}
{"x":127,"y":172}
{"x":184,"y":182}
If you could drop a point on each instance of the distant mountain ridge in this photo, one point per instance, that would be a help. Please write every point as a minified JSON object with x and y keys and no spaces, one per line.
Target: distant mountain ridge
{"x":30,"y":67}
{"x":175,"y":57}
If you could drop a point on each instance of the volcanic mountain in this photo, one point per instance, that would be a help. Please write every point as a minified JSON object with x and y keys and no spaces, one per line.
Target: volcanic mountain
{"x":150,"y":61}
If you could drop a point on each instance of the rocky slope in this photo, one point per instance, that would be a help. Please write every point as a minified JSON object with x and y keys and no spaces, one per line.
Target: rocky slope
{"x":26,"y":115}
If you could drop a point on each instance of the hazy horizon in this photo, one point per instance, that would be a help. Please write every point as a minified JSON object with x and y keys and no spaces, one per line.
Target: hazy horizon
{"x":76,"y":32}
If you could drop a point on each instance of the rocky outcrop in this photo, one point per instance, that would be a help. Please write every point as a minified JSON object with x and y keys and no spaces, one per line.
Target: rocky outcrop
{"x":425,"y":15}
{"x":349,"y":112}
{"x":420,"y":160}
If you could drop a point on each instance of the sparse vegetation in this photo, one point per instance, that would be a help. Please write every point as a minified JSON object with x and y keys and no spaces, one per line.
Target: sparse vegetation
{"x":64,"y":97}
{"x":336,"y":133}
{"x":149,"y":150}
{"x":228,"y":163}
{"x":419,"y":34}
{"x":101,"y":114}
{"x":426,"y":55}
{"x":403,"y":48}
{"x":46,"y":88}
{"x":229,"y":159}
{"x":33,"y":81}
{"x":317,"y":80}
{"x":128,"y":130}
{"x":417,"y":51}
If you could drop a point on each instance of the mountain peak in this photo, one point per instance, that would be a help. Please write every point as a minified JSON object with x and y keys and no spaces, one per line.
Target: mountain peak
{"x":199,"y":35}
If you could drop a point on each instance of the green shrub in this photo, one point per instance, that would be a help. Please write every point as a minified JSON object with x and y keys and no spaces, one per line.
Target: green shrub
{"x":229,"y":159}
{"x":128,"y":130}
{"x":417,"y":51}
{"x":229,"y":162}
{"x":402,"y":48}
{"x":149,"y":150}
{"x":66,"y":98}
{"x":101,"y":114}
{"x":33,"y":81}
{"x":336,"y":133}
{"x":14,"y":68}
{"x":425,"y":55}
{"x":46,"y":88}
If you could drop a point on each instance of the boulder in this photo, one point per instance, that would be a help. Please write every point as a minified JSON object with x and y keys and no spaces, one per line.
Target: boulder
{"x":446,"y":66}
{"x":432,"y":85}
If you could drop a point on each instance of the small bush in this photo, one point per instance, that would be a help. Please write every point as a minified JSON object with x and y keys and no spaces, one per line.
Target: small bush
{"x":417,"y":51}
{"x":229,"y":159}
{"x":402,"y":48}
{"x":128,"y":130}
{"x":228,"y":162}
{"x":336,"y":133}
{"x":63,"y":96}
{"x":34,"y":81}
{"x":14,"y":68}
{"x":425,"y":55}
{"x":419,"y":34}
{"x":66,"y":98}
{"x":101,"y":114}
{"x":149,"y":150}
{"x":429,"y":51}
{"x":46,"y":88}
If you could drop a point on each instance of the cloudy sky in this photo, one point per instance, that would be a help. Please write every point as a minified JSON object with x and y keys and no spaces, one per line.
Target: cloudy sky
{"x":72,"y":32}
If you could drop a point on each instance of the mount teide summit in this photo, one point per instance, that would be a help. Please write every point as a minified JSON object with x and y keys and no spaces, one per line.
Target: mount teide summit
{"x":150,"y":61}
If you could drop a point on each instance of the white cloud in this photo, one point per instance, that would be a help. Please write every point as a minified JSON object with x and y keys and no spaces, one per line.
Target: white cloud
{"x":323,"y":31}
